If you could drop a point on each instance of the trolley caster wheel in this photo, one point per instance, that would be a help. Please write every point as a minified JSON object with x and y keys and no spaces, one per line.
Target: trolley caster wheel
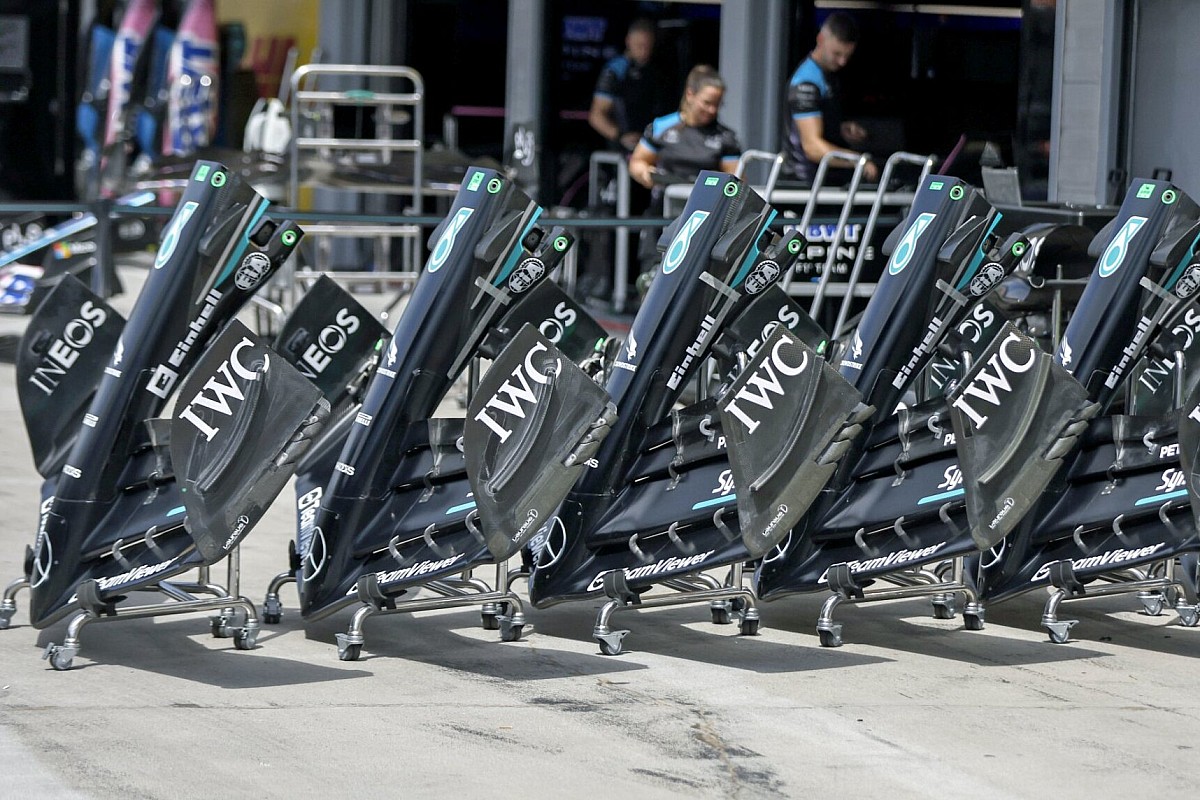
{"x":721,"y":612}
{"x":61,"y":657}
{"x":1188,"y":615}
{"x":611,"y":643}
{"x":831,"y":637}
{"x":944,"y":609}
{"x":1152,"y":603}
{"x":272,"y":611}
{"x":511,"y":628}
{"x":348,"y":649}
{"x":748,"y":627}
{"x":6,"y":615}
{"x":220,"y":627}
{"x":1060,"y":632}
{"x":245,"y":638}
{"x":973,"y":622}
{"x":489,"y":614}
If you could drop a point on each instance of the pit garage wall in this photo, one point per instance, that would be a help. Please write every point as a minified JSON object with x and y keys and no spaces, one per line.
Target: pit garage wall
{"x":1164,"y":120}
{"x":1126,"y":96}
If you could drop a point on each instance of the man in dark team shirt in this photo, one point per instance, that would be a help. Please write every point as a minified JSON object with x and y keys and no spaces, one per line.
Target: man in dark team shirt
{"x":630,"y":91}
{"x":814,"y":124}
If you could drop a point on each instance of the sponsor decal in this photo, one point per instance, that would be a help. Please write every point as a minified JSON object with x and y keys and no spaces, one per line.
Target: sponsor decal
{"x":193,"y":94}
{"x":392,"y":354}
{"x":242,"y":523}
{"x":763,"y":383}
{"x":219,"y":389}
{"x":165,"y":375}
{"x":988,"y":277}
{"x":1185,"y":287}
{"x":310,"y":539}
{"x":555,"y":327}
{"x":890,"y":560}
{"x":445,"y":245}
{"x":132,"y":576}
{"x":666,"y":565}
{"x":682,"y":241}
{"x":994,"y":378}
{"x":65,"y":250}
{"x":1114,"y":254}
{"x":530,"y":517}
{"x":527,"y":273}
{"x":513,"y":396}
{"x":692,"y":352}
{"x":72,"y":472}
{"x":344,"y":468}
{"x":170,"y":238}
{"x":762,"y":276}
{"x":856,"y":349}
{"x":253,"y":269}
{"x":908,"y":244}
{"x":1172,"y":479}
{"x":1129,"y":351}
{"x":363,"y":419}
{"x":64,"y":351}
{"x":931,"y":332}
{"x":423,"y":568}
{"x":1002,"y":513}
{"x":329,"y":342}
{"x":1107,"y":559}
{"x":952,"y":478}
{"x":775,"y":520}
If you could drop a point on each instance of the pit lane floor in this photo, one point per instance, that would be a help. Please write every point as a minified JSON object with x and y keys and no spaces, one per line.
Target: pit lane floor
{"x":909,"y":707}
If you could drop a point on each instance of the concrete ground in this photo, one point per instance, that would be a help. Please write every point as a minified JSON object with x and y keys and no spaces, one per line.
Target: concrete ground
{"x":909,"y":707}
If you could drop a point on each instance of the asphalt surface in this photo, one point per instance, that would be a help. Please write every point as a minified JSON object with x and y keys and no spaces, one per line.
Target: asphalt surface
{"x":910,"y":706}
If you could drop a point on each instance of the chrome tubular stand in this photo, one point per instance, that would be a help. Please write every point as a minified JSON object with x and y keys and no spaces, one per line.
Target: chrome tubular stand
{"x":1155,"y":588}
{"x":906,"y":584}
{"x":733,"y":598}
{"x":181,"y":599}
{"x":500,"y":608}
{"x":8,"y":603}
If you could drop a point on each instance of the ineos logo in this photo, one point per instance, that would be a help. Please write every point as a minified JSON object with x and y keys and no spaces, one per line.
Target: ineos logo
{"x":553,"y":328}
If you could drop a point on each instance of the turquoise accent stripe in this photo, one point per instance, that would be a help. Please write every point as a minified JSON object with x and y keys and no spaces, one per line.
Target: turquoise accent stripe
{"x":511,"y":264}
{"x":174,"y":511}
{"x":717,"y":501}
{"x":978,"y":258}
{"x":1158,"y":498}
{"x":231,"y":264}
{"x":749,"y":262}
{"x":461,"y":507}
{"x":1183,"y":262}
{"x":933,"y":498}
